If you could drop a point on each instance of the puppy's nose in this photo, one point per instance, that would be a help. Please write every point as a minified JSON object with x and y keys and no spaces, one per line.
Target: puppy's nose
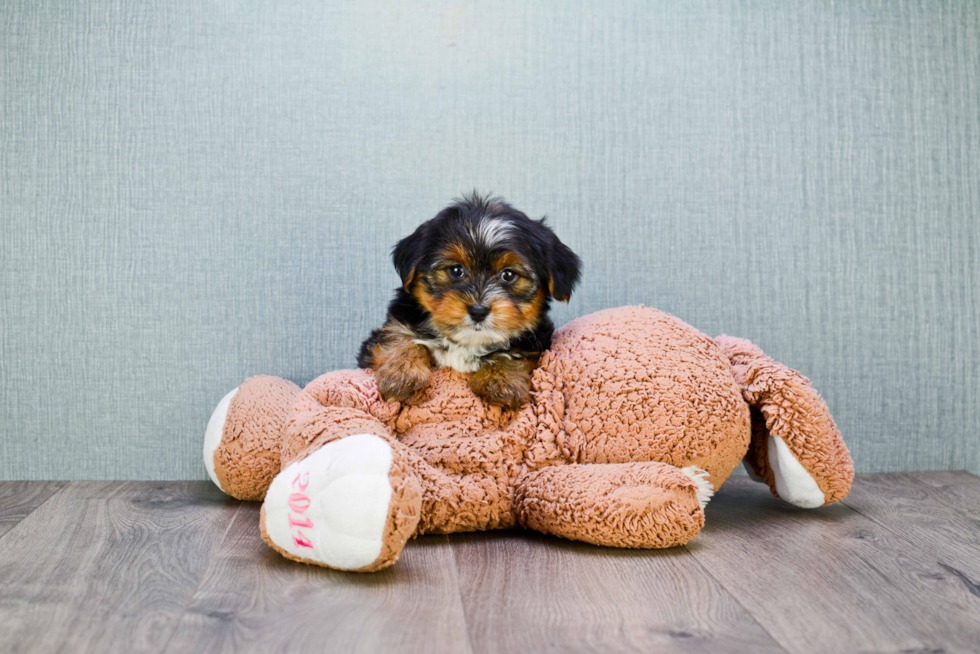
{"x":478,"y":312}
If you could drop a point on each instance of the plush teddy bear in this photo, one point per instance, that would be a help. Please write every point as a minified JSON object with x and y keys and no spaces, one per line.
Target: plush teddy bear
{"x":635,"y":419}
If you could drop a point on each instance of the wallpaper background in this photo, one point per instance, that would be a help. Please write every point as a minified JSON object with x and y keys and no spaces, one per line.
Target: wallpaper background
{"x":195,"y":192}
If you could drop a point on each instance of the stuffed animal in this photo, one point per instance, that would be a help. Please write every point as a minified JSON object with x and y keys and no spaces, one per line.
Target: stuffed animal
{"x":636,"y":418}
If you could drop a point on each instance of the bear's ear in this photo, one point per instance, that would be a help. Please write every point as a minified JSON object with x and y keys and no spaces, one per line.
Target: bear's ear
{"x":563,"y":269}
{"x":407,"y":254}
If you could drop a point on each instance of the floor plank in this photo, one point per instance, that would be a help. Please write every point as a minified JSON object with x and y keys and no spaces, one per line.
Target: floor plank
{"x":832,"y":580}
{"x":148,"y":566}
{"x":525,"y":592}
{"x":19,"y":498}
{"x":941,"y":519}
{"x":952,"y":479}
{"x":107,"y":567}
{"x":253,"y":600}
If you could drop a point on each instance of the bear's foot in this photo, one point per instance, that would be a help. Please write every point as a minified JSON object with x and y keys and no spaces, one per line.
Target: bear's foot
{"x":793,"y":483}
{"x":241,"y":444}
{"x":214,"y":432}
{"x":700,"y":477}
{"x":351,"y":505}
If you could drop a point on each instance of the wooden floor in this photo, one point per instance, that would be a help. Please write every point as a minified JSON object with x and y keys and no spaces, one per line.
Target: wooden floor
{"x":178,"y":567}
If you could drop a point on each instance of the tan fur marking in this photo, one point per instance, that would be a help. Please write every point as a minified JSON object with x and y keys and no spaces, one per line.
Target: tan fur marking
{"x":551,"y":288}
{"x":426,"y":300}
{"x":516,"y":317}
{"x":538,"y":300}
{"x":507,"y":316}
{"x":458,"y":253}
{"x":523,"y":285}
{"x":509,"y":260}
{"x":447,"y":312}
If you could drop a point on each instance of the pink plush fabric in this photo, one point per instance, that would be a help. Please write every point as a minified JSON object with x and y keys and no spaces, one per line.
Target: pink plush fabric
{"x":248,"y":457}
{"x":635,"y":384}
{"x":626,"y":407}
{"x":788,"y":407}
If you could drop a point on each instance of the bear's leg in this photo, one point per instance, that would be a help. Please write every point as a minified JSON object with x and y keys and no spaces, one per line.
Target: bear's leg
{"x":350,"y":505}
{"x":796,"y":447}
{"x":243,"y":436}
{"x":641,"y":504}
{"x":350,"y":494}
{"x":354,"y":502}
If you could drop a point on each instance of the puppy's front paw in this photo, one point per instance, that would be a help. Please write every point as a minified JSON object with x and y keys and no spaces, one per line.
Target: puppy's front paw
{"x":508,"y":386}
{"x":400,"y":379}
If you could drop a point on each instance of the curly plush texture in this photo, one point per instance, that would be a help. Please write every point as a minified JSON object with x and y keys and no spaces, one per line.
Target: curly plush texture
{"x":635,"y":419}
{"x":637,"y":505}
{"x":640,"y":385}
{"x":787,"y":406}
{"x":247,"y":458}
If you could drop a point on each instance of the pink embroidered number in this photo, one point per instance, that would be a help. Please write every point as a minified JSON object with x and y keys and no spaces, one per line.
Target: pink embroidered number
{"x":299,"y":503}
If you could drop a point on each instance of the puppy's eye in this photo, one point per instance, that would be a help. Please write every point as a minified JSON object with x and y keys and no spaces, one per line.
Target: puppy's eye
{"x":456,"y":271}
{"x":508,"y":276}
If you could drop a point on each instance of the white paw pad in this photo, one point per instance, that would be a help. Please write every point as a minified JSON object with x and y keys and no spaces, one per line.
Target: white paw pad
{"x":700,"y":477}
{"x":213,"y":433}
{"x":793,"y":483}
{"x":332,"y":507}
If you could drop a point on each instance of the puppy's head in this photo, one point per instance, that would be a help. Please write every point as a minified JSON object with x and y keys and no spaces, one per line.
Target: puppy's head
{"x":484,"y":271}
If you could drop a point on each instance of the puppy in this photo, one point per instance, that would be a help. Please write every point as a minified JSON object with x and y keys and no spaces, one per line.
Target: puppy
{"x":477,"y":281}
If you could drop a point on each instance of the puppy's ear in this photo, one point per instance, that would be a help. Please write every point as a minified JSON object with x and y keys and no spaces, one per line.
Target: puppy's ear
{"x":560,"y":267}
{"x":407,"y":254}
{"x":563,"y":269}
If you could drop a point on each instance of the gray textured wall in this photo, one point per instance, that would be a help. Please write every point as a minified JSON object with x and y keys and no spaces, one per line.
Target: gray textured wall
{"x":194,"y":192}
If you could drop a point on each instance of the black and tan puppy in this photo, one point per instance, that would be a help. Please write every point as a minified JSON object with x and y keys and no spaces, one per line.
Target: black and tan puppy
{"x":477,"y":281}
